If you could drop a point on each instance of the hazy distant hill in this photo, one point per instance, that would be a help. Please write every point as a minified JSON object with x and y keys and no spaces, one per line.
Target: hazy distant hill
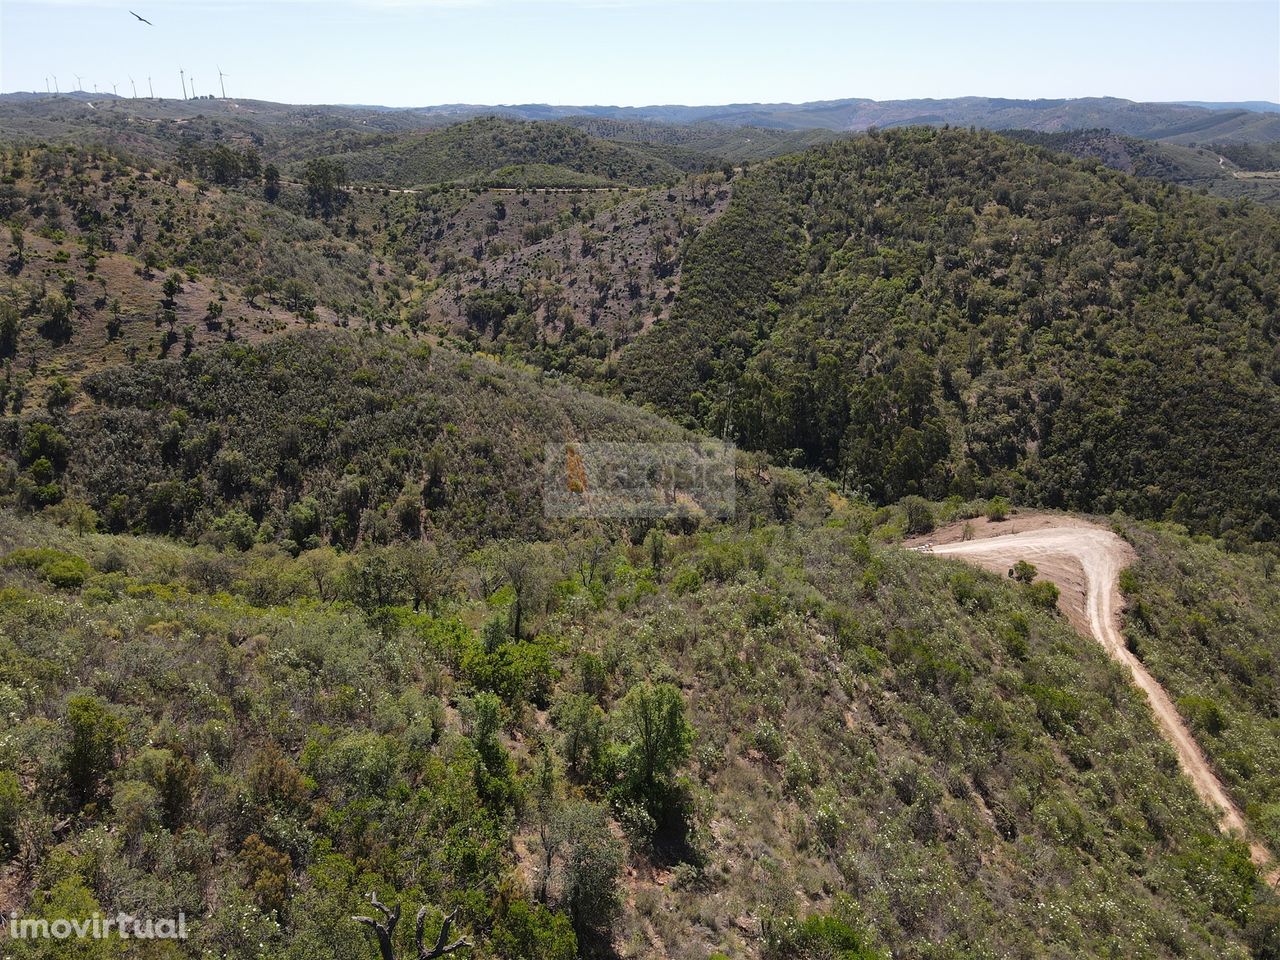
{"x":1251,"y":122}
{"x":1262,"y":106}
{"x":1156,"y":121}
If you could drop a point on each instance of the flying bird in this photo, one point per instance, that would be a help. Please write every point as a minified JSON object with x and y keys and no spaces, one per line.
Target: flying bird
{"x":143,"y":19}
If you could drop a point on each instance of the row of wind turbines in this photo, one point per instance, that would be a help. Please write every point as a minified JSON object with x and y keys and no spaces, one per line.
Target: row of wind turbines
{"x":182,"y":76}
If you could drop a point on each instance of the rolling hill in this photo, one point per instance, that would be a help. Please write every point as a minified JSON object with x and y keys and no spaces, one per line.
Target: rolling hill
{"x":944,"y":312}
{"x":285,"y":619}
{"x":484,"y":149}
{"x":1154,"y":121}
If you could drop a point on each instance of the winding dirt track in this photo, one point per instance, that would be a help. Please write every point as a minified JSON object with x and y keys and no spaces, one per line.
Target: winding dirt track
{"x":1085,"y":562}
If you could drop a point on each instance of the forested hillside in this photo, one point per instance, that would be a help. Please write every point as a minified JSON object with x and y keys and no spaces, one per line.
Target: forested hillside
{"x":109,"y":259}
{"x":492,"y":150}
{"x":284,"y":619}
{"x":930,"y":311}
{"x":312,"y":439}
{"x":787,"y":743}
{"x":1212,"y":169}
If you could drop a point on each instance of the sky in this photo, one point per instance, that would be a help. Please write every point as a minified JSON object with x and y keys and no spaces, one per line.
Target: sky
{"x":635,"y":52}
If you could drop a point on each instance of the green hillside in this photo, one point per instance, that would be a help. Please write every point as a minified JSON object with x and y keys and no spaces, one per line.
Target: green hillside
{"x":284,"y":618}
{"x":1205,"y":623}
{"x":869,"y":751}
{"x":711,"y":141}
{"x":1213,"y":169}
{"x":475,"y":149}
{"x":313,"y":438}
{"x":944,"y":312}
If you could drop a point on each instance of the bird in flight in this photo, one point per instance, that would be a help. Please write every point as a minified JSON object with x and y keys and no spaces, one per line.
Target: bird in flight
{"x":143,"y":19}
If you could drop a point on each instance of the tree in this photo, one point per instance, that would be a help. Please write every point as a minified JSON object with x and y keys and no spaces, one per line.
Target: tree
{"x":76,"y":514}
{"x":654,"y":738}
{"x":375,"y":581}
{"x":919,"y":515}
{"x":427,"y":572}
{"x":581,"y":723}
{"x":10,"y":325}
{"x":11,"y":804}
{"x":325,"y":180}
{"x":271,"y":182}
{"x":172,"y":287}
{"x":93,"y":735}
{"x":17,"y":259}
{"x":655,"y":543}
{"x":57,"y":325}
{"x":587,"y":863}
{"x":385,"y":930}
{"x":1023,"y":572}
{"x":529,"y":570}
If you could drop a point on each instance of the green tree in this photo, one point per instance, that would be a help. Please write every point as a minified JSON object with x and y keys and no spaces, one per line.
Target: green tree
{"x":919,"y":515}
{"x":587,"y":863}
{"x":654,"y":738}
{"x":10,"y":325}
{"x":11,"y":804}
{"x":325,"y":179}
{"x":583,"y":733}
{"x":271,"y":182}
{"x":94,"y":734}
{"x":172,"y":287}
{"x":1023,"y":572}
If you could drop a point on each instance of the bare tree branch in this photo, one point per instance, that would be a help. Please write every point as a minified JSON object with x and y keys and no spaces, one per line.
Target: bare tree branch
{"x":439,"y":950}
{"x":384,"y":931}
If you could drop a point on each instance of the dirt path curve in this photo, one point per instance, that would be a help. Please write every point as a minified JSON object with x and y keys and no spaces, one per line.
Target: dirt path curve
{"x":1085,"y":562}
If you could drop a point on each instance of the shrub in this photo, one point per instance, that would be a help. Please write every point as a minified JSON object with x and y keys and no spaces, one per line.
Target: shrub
{"x":63,"y":570}
{"x":1203,"y":712}
{"x":11,"y":802}
{"x":919,"y":515}
{"x":1023,"y":572}
{"x":94,"y":734}
{"x":1043,"y":594}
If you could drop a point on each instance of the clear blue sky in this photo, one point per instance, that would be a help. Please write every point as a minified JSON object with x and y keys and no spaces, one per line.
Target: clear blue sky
{"x":411,"y":52}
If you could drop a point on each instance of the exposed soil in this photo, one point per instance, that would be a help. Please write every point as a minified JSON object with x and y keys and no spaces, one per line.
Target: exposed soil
{"x":1084,"y":560}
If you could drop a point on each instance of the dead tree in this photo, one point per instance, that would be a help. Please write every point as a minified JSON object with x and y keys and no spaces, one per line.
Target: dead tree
{"x":385,"y":930}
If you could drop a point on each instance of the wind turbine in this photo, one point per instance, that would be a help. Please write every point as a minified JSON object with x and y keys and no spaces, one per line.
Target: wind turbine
{"x":221,"y":84}
{"x":79,"y":83}
{"x":46,"y":85}
{"x":113,"y":90}
{"x":135,"y":88}
{"x":151,"y":88}
{"x":56,"y":91}
{"x":183,"y":77}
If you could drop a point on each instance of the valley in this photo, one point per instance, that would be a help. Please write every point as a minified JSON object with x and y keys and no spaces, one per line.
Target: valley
{"x":983,"y":664}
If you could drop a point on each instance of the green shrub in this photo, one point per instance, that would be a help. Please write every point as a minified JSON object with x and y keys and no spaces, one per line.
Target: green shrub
{"x":63,"y":570}
{"x":1043,"y":594}
{"x":1023,"y":572}
{"x":11,"y":804}
{"x":1203,"y":712}
{"x":919,"y":515}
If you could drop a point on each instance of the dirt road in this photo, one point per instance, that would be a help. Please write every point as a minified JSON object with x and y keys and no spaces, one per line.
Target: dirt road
{"x":1085,"y":562}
